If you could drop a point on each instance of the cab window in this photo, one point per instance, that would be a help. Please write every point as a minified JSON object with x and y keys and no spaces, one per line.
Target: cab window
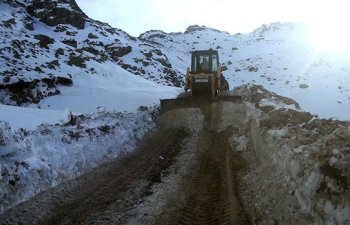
{"x":214,"y":66}
{"x":203,"y":63}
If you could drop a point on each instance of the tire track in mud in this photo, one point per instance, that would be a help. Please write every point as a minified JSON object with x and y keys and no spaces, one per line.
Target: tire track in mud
{"x":212,"y":198}
{"x":83,"y":200}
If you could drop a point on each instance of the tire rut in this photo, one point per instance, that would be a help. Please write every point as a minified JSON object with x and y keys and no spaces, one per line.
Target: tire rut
{"x":212,"y":199}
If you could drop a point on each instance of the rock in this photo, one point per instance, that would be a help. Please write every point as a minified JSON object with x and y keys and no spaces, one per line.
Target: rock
{"x":59,"y":52}
{"x":9,"y":23}
{"x":91,"y":50}
{"x":303,"y":86}
{"x":70,"y":42}
{"x":117,"y":51}
{"x":38,"y":69}
{"x":92,"y":36}
{"x":44,"y":40}
{"x":172,"y":77}
{"x":28,"y":24}
{"x":53,"y":64}
{"x":76,"y":61}
{"x":252,"y":69}
{"x":194,"y":28}
{"x":6,"y":79}
{"x":60,"y":28}
{"x":69,"y":33}
{"x":152,"y":34}
{"x":148,"y":54}
{"x":64,"y":81}
{"x":224,"y":68}
{"x":16,"y":54}
{"x":164,"y":62}
{"x":51,"y":14}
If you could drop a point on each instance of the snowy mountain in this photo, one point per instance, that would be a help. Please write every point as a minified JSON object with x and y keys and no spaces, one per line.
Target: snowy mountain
{"x":278,"y":56}
{"x":48,"y":44}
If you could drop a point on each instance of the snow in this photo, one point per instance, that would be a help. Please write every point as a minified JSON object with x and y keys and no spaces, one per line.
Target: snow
{"x":117,"y":89}
{"x":20,"y":117}
{"x":276,"y":104}
{"x":32,"y":161}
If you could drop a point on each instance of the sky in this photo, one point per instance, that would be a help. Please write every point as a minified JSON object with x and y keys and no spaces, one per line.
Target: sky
{"x":234,"y":16}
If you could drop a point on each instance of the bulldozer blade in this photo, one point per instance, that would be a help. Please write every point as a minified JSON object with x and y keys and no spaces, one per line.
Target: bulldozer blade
{"x":194,"y":102}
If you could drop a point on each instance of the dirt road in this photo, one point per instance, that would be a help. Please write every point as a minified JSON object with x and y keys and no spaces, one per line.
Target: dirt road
{"x":188,"y":171}
{"x":211,"y":193}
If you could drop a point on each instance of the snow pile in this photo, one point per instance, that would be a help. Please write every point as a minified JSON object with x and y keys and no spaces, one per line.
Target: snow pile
{"x":264,"y":99}
{"x":316,"y":155}
{"x":312,"y":154}
{"x":32,"y":161}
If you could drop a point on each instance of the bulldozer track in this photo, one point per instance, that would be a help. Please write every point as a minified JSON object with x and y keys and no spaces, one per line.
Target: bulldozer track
{"x":93,"y":192}
{"x":212,"y":199}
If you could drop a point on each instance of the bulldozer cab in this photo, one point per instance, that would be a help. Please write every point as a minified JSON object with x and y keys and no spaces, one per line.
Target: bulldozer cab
{"x":205,"y":61}
{"x":205,"y":78}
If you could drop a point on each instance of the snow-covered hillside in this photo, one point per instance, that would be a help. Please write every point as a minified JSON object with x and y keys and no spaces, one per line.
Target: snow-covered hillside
{"x":46,"y":45}
{"x":279,"y":56}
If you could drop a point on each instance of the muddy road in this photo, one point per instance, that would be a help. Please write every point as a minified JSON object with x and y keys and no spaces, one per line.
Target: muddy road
{"x":188,"y":171}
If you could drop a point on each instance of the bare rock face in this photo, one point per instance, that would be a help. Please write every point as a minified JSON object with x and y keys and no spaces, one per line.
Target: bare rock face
{"x":70,"y":42}
{"x":152,"y":34}
{"x":194,"y":28}
{"x":44,"y":40}
{"x":117,"y":51}
{"x":23,"y":92}
{"x":54,"y":13}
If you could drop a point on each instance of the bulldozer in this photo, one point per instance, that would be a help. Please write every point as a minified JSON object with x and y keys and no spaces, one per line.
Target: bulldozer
{"x":205,"y":78}
{"x":204,"y":83}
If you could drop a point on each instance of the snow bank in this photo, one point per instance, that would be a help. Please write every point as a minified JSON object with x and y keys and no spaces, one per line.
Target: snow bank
{"x":28,"y":118}
{"x":313,"y":154}
{"x":32,"y":161}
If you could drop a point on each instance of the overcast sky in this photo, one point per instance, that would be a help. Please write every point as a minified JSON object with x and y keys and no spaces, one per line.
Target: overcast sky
{"x":138,"y":16}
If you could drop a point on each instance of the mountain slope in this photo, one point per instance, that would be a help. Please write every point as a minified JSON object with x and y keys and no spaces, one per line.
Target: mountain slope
{"x":44,"y":45}
{"x":279,"y":56}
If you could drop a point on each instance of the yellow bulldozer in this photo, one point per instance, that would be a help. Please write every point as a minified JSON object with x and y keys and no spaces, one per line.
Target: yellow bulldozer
{"x":204,"y":83}
{"x":205,"y":78}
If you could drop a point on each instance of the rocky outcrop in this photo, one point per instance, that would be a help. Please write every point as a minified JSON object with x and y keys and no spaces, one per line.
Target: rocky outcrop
{"x":117,"y":51}
{"x":194,"y":28}
{"x":54,"y":13}
{"x":23,"y":92}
